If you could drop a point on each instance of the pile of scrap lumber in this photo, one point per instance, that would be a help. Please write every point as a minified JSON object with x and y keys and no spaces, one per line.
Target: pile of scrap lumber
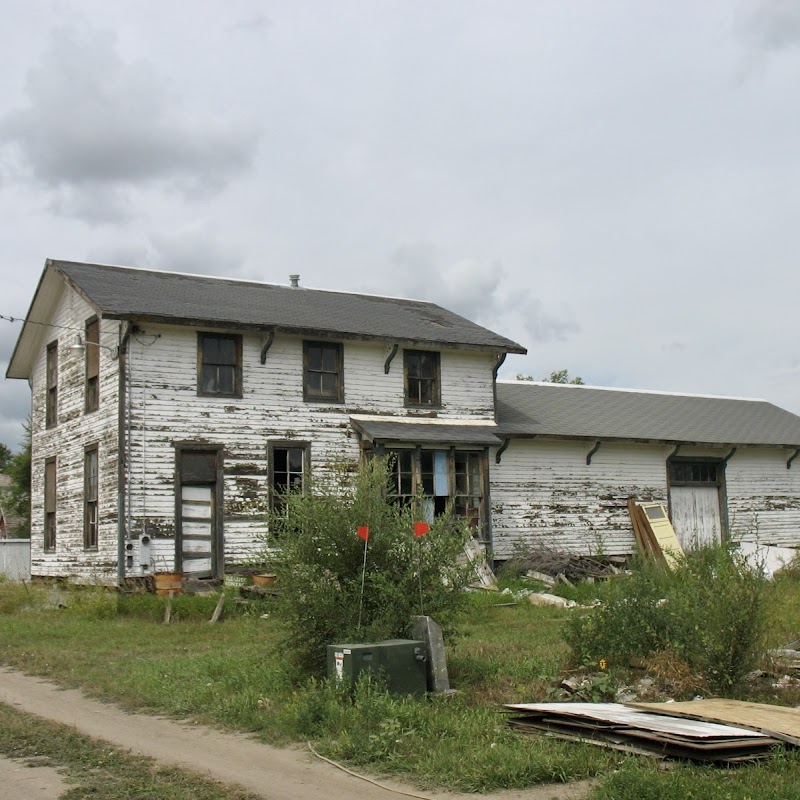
{"x":654,"y":532}
{"x":633,"y":730}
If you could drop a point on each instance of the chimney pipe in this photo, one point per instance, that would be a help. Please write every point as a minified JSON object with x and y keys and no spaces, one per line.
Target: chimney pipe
{"x":294,"y":280}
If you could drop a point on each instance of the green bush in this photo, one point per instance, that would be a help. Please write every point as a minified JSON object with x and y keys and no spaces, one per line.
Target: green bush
{"x":320,"y":560}
{"x":710,"y":611}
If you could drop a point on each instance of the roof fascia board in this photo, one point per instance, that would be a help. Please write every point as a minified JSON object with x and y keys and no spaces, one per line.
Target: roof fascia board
{"x":639,"y":440}
{"x":31,"y":331}
{"x":304,"y":331}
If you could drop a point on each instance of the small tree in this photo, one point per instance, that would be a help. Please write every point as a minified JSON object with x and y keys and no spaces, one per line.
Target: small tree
{"x":557,"y":376}
{"x":16,"y":500}
{"x":5,"y":457}
{"x":320,"y":561}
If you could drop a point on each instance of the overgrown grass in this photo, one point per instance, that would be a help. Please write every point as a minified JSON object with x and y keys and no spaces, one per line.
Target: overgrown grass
{"x":236,"y":675}
{"x":98,"y":770}
{"x":710,"y":612}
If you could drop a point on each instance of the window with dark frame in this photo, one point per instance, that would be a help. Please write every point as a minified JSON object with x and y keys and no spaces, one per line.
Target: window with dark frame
{"x":468,"y":499}
{"x":90,"y":509}
{"x":422,"y":378}
{"x":288,"y":466}
{"x":323,"y":375}
{"x":694,"y":472}
{"x":433,"y":474}
{"x":92,"y":393}
{"x":50,"y":505}
{"x":51,"y":404}
{"x":219,"y":364}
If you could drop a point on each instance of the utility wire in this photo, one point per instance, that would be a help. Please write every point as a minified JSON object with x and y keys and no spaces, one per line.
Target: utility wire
{"x":36,"y":322}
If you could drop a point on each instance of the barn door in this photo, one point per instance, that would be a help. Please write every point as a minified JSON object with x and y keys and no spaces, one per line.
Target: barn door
{"x":199,"y":543}
{"x":695,"y":502}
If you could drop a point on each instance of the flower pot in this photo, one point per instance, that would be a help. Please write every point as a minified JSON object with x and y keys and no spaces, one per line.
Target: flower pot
{"x":166,"y":582}
{"x":263,"y":579}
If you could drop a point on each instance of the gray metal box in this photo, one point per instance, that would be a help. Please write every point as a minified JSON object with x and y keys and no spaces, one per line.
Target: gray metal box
{"x":402,"y":662}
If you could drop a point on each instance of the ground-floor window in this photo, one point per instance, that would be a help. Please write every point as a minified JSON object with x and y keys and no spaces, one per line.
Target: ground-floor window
{"x":50,"y":505}
{"x":288,"y":470}
{"x":90,"y":518}
{"x":442,"y":479}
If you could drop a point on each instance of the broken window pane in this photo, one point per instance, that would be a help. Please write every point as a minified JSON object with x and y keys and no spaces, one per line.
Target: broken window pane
{"x":421,"y":378}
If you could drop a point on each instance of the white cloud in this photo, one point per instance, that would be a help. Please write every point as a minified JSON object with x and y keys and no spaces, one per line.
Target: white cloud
{"x":770,"y":24}
{"x":481,"y":291}
{"x":96,"y":126}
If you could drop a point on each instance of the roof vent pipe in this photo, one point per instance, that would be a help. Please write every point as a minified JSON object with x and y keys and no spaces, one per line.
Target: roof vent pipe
{"x":294,"y":280}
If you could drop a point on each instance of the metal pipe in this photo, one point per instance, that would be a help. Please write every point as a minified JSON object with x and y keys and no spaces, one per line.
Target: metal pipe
{"x":792,"y":458}
{"x":592,"y":452}
{"x":388,"y":363}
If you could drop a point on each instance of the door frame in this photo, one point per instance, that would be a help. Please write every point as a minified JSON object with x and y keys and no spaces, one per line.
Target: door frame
{"x":218,"y":537}
{"x":720,"y":483}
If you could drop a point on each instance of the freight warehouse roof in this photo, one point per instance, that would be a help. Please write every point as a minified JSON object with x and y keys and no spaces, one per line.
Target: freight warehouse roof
{"x":566,"y":411}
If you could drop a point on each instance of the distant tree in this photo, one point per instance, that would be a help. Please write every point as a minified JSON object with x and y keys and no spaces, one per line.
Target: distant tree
{"x":559,"y":376}
{"x":17,"y":498}
{"x":5,"y":457}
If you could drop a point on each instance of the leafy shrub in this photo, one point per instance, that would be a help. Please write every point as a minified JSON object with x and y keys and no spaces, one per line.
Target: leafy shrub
{"x":710,"y":612}
{"x":320,"y":561}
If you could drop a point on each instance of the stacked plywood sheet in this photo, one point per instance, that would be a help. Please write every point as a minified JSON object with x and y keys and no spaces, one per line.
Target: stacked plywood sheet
{"x":654,"y":532}
{"x":636,"y":731}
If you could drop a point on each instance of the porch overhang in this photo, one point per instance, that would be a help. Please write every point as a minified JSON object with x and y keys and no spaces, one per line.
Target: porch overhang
{"x":451,"y":433}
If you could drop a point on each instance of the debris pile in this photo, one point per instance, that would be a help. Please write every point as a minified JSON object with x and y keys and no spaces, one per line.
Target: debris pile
{"x":632,"y":730}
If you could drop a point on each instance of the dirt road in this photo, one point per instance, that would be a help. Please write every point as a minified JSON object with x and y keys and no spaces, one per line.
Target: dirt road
{"x":274,"y":773}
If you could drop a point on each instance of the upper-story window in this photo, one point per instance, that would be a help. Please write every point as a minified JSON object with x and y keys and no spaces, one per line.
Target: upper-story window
{"x":322,"y":370}
{"x":92,"y":393}
{"x":219,"y":364}
{"x":422,"y":378}
{"x":51,"y":403}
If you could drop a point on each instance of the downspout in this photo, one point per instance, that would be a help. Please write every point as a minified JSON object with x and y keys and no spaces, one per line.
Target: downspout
{"x":495,"y":370}
{"x":122,"y":452}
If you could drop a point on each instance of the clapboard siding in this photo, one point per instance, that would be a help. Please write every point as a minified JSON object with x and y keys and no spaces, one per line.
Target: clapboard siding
{"x":544,"y":494}
{"x":66,"y":442}
{"x":764,"y":497}
{"x":165,"y":409}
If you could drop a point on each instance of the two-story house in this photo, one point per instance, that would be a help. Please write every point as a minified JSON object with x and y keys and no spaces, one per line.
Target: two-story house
{"x":169,"y":411}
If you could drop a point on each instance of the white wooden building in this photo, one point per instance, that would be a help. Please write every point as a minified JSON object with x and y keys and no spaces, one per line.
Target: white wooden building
{"x":572,"y":455}
{"x":169,"y":411}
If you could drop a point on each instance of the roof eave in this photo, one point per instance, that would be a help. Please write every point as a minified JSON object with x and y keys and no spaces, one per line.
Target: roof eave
{"x":325,"y":333}
{"x":509,"y":434}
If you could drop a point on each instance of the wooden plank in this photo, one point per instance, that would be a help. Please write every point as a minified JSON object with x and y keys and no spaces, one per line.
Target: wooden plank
{"x":656,"y":519}
{"x":218,"y":608}
{"x":779,"y":722}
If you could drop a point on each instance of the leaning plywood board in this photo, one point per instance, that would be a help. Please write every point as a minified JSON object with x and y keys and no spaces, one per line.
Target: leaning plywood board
{"x":658,"y":522}
{"x":779,"y":722}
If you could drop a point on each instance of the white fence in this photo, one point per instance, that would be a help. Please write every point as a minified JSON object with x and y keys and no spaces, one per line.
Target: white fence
{"x":15,"y":559}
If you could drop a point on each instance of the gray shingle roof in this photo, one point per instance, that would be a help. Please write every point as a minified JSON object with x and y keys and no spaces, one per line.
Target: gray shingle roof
{"x":442,"y":433}
{"x":548,"y":409}
{"x":126,"y":293}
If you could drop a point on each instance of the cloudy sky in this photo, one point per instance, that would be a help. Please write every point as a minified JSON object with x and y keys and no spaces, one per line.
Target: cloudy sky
{"x":612,"y":183}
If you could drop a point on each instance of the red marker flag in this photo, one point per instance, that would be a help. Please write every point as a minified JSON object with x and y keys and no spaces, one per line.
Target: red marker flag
{"x":421,"y":528}
{"x":363,"y":532}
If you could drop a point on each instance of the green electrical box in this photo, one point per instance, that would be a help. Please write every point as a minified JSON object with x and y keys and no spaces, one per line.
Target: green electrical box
{"x":402,"y":662}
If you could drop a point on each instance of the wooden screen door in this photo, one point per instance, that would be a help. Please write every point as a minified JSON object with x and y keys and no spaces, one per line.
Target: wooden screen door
{"x":197,"y":530}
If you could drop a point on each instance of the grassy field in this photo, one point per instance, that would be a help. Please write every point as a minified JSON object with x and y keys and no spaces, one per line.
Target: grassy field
{"x":237,"y":675}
